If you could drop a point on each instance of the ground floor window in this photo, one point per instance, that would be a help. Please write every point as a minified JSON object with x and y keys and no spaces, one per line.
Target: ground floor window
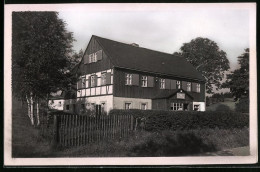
{"x":128,"y":105}
{"x":67,"y":107}
{"x":103,"y":107}
{"x":176,"y":106}
{"x":196,"y":107}
{"x":143,"y":106}
{"x":83,"y":107}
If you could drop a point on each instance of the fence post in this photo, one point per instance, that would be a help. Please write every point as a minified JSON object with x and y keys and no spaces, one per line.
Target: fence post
{"x":55,"y":130}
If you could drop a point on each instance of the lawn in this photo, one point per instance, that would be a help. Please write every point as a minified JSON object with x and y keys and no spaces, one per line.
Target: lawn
{"x":28,"y":142}
{"x":228,"y":102}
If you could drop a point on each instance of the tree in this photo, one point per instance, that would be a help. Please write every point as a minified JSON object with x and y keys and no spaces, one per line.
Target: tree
{"x":76,"y":58}
{"x":41,"y":47}
{"x":238,"y":80}
{"x":207,"y":58}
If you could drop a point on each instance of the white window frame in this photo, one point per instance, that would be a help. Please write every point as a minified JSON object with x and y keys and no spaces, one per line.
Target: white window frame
{"x":198,"y":88}
{"x":188,"y":86}
{"x":103,"y":78}
{"x":178,"y":83}
{"x":129,"y":105}
{"x":129,"y":79}
{"x":144,"y":106}
{"x":177,"y":106}
{"x":162,"y":83}
{"x":144,"y":81}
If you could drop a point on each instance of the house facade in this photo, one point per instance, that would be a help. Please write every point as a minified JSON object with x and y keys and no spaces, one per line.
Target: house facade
{"x":115,"y":75}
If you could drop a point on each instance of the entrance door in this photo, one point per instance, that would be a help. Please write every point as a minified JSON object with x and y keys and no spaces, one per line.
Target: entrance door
{"x":185,"y":108}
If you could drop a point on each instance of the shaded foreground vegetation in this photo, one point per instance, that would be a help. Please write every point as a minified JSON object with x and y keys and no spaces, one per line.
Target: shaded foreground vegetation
{"x":29,"y":142}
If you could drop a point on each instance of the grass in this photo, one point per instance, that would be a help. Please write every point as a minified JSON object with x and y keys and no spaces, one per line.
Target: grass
{"x":228,"y":102}
{"x":27,"y":141}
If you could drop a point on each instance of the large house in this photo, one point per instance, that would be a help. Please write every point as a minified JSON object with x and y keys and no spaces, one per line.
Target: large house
{"x":115,"y":75}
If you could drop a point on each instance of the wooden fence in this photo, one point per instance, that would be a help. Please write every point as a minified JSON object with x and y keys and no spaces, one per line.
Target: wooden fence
{"x":77,"y":130}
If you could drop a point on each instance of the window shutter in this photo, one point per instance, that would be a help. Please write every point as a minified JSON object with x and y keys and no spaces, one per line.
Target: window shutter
{"x":99,"y":55}
{"x":150,"y":81}
{"x":86,"y":59}
{"x":95,"y":79}
{"x":108,"y":78}
{"x":135,"y":79}
{"x":184,"y":85}
{"x":167,"y":84}
{"x":193,"y":87}
{"x":173,"y":84}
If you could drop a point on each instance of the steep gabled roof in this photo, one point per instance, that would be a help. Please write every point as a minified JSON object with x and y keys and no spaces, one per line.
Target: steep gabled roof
{"x":142,"y":59}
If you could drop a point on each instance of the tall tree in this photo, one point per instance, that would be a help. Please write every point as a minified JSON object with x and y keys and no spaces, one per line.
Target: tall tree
{"x":76,"y":58}
{"x":238,"y":80}
{"x":41,"y":47}
{"x":206,"y":56}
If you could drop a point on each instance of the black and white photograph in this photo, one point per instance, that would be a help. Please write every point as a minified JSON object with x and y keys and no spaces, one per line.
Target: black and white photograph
{"x":130,"y":84}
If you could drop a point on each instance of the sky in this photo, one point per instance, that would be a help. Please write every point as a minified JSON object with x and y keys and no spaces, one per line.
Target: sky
{"x":161,"y":28}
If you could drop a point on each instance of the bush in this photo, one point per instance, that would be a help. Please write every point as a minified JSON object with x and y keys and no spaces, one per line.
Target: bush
{"x":158,"y":120}
{"x":242,"y":105}
{"x":222,"y":108}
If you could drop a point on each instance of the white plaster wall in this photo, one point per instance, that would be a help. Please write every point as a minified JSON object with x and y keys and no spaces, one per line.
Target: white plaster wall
{"x":56,"y":104}
{"x":100,"y":99}
{"x":202,"y":105}
{"x":119,"y":102}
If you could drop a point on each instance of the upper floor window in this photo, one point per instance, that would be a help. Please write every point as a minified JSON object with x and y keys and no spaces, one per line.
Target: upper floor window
{"x":188,"y":86}
{"x":83,"y":80}
{"x":92,"y":81}
{"x":162,"y":83}
{"x":198,"y":88}
{"x":178,"y":84}
{"x":144,"y":81}
{"x":129,"y":78}
{"x":103,"y":79}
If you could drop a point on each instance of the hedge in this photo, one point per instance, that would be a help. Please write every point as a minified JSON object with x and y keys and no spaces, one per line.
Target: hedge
{"x":158,"y":120}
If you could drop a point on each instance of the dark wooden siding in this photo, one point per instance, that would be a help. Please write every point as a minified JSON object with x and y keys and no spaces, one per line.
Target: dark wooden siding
{"x":98,"y":66}
{"x":160,"y":104}
{"x":133,"y":91}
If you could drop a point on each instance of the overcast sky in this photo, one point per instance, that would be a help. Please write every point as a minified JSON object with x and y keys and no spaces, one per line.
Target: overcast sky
{"x":162,"y":29}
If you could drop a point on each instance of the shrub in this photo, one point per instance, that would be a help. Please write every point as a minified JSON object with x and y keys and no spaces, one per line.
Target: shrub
{"x":222,"y":108}
{"x":242,"y":105}
{"x":158,"y":120}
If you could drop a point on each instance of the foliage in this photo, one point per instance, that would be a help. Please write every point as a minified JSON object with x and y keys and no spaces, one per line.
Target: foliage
{"x":76,"y":58}
{"x":222,"y":108}
{"x":242,"y":105}
{"x":238,"y":80}
{"x":158,"y":120}
{"x":41,"y":46}
{"x":208,"y":58}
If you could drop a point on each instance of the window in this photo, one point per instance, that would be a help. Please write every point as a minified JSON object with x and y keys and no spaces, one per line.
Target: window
{"x":59,"y":104}
{"x":162,"y":83}
{"x":196,"y":107}
{"x":83,"y":107}
{"x":67,"y":107}
{"x":83,"y":82}
{"x":188,"y":86}
{"x":92,"y":81}
{"x":143,"y":106}
{"x":103,"y":79}
{"x":103,"y":107}
{"x":178,"y":84}
{"x":127,"y":105}
{"x":198,"y":88}
{"x":129,"y":78}
{"x":144,"y":81}
{"x":177,"y":106}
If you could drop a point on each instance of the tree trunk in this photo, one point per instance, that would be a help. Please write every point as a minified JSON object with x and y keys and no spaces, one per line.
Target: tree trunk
{"x":31,"y":115}
{"x":37,"y":112}
{"x":29,"y":107}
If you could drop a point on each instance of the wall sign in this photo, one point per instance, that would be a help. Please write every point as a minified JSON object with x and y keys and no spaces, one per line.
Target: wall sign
{"x":180,"y":96}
